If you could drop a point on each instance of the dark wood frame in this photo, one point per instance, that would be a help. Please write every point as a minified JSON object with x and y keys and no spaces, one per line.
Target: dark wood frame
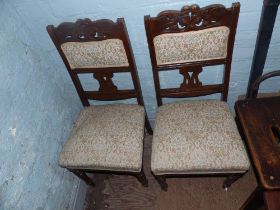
{"x":85,"y":30}
{"x":265,"y":193}
{"x":192,"y":18}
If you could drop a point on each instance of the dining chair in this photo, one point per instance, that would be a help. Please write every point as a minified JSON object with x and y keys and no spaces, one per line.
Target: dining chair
{"x":253,"y":92}
{"x":194,"y":137}
{"x":105,"y":138}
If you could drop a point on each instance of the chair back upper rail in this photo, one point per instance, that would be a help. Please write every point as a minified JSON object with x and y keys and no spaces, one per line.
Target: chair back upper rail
{"x":192,"y":19}
{"x":253,"y":91}
{"x":85,"y":31}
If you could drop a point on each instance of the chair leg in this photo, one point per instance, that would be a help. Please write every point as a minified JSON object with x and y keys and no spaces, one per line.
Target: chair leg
{"x":148,"y":126}
{"x":82,"y":175}
{"x":142,"y":178}
{"x":162,"y":182}
{"x":254,"y":201}
{"x":230,"y":180}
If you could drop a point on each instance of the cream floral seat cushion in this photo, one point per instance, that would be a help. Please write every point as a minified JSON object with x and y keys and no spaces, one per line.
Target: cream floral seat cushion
{"x":106,"y":137}
{"x":197,"y":137}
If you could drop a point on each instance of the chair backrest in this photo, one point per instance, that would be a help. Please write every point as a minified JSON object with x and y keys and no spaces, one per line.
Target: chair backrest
{"x":101,"y":47}
{"x":253,"y":92}
{"x":188,"y":40}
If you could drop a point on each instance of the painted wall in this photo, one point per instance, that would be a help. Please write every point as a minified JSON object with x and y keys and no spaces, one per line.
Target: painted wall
{"x":36,"y":115}
{"x":39,"y":104}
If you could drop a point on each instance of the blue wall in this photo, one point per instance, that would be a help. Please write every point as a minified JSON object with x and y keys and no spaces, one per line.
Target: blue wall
{"x":38,"y":103}
{"x":36,"y":115}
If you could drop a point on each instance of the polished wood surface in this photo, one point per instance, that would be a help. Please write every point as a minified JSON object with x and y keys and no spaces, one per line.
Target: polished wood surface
{"x":272,"y":200}
{"x":260,"y":121}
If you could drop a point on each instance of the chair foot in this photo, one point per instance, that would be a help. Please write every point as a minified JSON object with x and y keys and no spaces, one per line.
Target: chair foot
{"x":148,"y":126}
{"x":255,"y":200}
{"x":230,"y":180}
{"x":142,"y":178}
{"x":162,"y":182}
{"x":82,"y":175}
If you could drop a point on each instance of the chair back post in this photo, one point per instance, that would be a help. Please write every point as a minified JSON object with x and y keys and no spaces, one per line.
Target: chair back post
{"x":74,"y":76}
{"x":235,"y":15}
{"x":253,"y":92}
{"x":82,"y":43}
{"x":132,"y":63}
{"x":153,"y":58}
{"x":192,"y":22}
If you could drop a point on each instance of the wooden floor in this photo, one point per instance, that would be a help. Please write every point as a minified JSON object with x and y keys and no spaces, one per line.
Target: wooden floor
{"x":116,"y":192}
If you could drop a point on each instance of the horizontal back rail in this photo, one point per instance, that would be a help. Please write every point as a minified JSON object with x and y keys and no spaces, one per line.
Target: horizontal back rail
{"x":111,"y":96}
{"x":98,"y":70}
{"x":177,"y":66}
{"x":202,"y":91}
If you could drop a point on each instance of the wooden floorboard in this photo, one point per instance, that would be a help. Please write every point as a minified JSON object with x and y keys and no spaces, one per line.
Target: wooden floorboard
{"x":116,"y":192}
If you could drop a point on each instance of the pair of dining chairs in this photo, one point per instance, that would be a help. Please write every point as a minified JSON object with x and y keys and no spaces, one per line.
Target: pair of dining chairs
{"x":197,"y":137}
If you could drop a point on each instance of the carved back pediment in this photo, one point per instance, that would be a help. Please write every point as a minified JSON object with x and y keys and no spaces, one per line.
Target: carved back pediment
{"x":190,"y":18}
{"x":84,"y":30}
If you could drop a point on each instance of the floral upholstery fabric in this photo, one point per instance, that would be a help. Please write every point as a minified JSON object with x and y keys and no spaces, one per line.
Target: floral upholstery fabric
{"x":106,"y":137}
{"x":95,"y":54}
{"x":197,"y":137}
{"x":191,"y":46}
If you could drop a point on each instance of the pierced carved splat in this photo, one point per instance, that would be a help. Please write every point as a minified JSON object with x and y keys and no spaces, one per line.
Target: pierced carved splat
{"x":190,"y":77}
{"x":86,"y":30}
{"x":191,"y":18}
{"x":105,"y":81}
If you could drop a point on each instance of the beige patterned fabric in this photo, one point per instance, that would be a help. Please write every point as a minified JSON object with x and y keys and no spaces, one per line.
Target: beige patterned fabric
{"x":95,"y":54}
{"x":197,"y":137}
{"x":107,"y":137}
{"x":191,"y":46}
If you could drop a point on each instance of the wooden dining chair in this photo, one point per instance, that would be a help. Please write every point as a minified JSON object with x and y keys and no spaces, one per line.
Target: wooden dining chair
{"x":253,"y":92}
{"x":105,"y":138}
{"x":195,"y":137}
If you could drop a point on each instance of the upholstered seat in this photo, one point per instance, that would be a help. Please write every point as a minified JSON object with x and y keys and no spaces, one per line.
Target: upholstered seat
{"x":197,"y":137}
{"x":106,"y":137}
